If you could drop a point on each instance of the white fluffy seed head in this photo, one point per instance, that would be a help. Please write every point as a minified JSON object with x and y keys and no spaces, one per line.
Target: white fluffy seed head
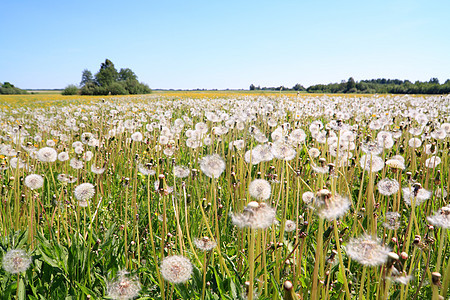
{"x":34,"y":181}
{"x":260,"y":189}
{"x":84,"y":192}
{"x":367,"y":251}
{"x":123,"y":287}
{"x":16,"y":261}
{"x":212,"y":165}
{"x":176,"y":269}
{"x":47,"y":154}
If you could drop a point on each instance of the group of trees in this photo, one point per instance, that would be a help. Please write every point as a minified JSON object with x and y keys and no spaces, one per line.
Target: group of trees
{"x":7,"y":88}
{"x":297,"y":87}
{"x":108,"y":81}
{"x":383,"y":86}
{"x":373,"y":86}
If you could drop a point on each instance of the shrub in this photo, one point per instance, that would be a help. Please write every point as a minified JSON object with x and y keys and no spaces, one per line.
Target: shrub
{"x":71,"y":89}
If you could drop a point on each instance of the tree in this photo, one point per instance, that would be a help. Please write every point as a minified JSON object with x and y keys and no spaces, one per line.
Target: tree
{"x":86,"y":77}
{"x":252,"y":87}
{"x":71,"y":89}
{"x":107,"y":74}
{"x":298,"y":87}
{"x":127,"y":74}
{"x":351,"y":84}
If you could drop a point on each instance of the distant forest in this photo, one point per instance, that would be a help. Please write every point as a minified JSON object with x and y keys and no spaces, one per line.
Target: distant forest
{"x":372,"y":86}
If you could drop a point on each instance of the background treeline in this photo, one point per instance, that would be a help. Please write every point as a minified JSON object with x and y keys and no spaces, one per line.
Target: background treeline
{"x":7,"y":88}
{"x":108,"y":81}
{"x":373,"y":86}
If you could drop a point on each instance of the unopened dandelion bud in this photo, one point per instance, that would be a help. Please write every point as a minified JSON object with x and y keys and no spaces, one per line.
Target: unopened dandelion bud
{"x":430,"y":227}
{"x":404,"y":255}
{"x":436,"y":278}
{"x":394,"y":240}
{"x":417,"y":239}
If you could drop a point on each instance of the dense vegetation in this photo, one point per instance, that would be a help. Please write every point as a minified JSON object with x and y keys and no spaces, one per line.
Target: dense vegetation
{"x":372,"y":86}
{"x":9,"y":89}
{"x":108,"y":81}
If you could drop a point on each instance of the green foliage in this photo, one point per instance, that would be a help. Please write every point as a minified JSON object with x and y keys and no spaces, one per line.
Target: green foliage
{"x":71,"y":89}
{"x":86,"y":78}
{"x":383,"y":86}
{"x":9,"y":89}
{"x":108,"y":81}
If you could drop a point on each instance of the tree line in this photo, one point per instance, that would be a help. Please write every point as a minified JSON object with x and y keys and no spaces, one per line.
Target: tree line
{"x":372,"y":86}
{"x":7,"y":88}
{"x":108,"y":81}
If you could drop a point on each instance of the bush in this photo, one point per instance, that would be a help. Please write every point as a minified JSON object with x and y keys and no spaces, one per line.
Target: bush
{"x":71,"y":89}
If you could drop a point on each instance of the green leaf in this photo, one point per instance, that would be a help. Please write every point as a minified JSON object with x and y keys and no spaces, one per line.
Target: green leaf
{"x":21,"y":292}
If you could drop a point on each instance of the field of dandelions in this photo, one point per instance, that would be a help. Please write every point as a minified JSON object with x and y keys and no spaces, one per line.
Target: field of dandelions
{"x":225,"y":197}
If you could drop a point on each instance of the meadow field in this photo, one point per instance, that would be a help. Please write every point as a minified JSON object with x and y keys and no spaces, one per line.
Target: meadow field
{"x":224,"y":195}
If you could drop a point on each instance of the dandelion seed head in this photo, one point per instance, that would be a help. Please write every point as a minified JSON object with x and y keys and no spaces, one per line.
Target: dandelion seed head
{"x":388,"y":186}
{"x":441,"y":218}
{"x":47,"y":154}
{"x":290,"y":226}
{"x":391,"y":220}
{"x":84,"y":192}
{"x":181,"y":171}
{"x":212,"y":165}
{"x":371,"y":163}
{"x":205,"y":243}
{"x":176,"y":269}
{"x":34,"y":181}
{"x":260,"y":189}
{"x":255,"y":215}
{"x":367,"y":251}
{"x":123,"y":287}
{"x":16,"y":261}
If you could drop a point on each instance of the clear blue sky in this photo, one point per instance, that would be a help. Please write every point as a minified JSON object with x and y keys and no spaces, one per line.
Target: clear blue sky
{"x":224,"y":44}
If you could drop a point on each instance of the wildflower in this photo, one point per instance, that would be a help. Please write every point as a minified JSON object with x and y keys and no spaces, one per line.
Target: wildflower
{"x":314,"y":152}
{"x":76,"y":164}
{"x":47,"y":154}
{"x":16,"y":261}
{"x":432,"y":162}
{"x":371,"y":148}
{"x":416,"y":193}
{"x":255,"y":215}
{"x":212,"y":165}
{"x":441,"y":218}
{"x":388,"y":186}
{"x":262,"y":153}
{"x":395,"y":164}
{"x":86,"y":137}
{"x":123,"y":287}
{"x":238,"y":144}
{"x":97,"y":170}
{"x":34,"y":181}
{"x":63,"y":156}
{"x":367,"y":251}
{"x":83,"y":193}
{"x":414,"y":143}
{"x":205,"y":243}
{"x":137,"y":137}
{"x":308,"y":197}
{"x":180,"y":171}
{"x":330,"y":206}
{"x":439,"y":133}
{"x":289,"y":226}
{"x":146,"y":169}
{"x":176,"y":269}
{"x":260,"y":189}
{"x":391,"y":220}
{"x":283,"y":151}
{"x":371,"y":163}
